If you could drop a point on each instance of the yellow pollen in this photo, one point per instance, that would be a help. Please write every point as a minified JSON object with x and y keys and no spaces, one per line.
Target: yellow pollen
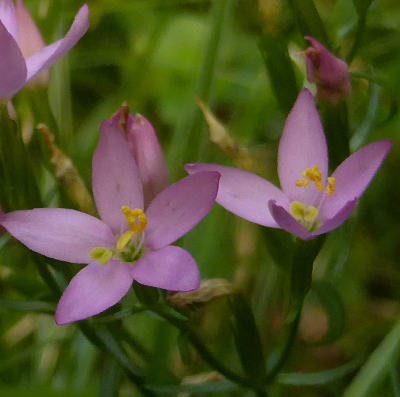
{"x":311,"y":175}
{"x":124,"y":239}
{"x":311,"y":214}
{"x":302,"y":183}
{"x":136,"y":219}
{"x":101,"y":255}
{"x":331,"y":186}
{"x":297,"y":209}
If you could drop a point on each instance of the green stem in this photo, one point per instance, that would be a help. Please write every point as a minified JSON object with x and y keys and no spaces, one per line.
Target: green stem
{"x":206,"y":355}
{"x":190,"y":138}
{"x":362,"y":21}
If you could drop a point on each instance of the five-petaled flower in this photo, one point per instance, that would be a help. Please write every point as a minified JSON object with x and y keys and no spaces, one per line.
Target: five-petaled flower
{"x":310,"y":203}
{"x":132,"y":239}
{"x":23,"y":54}
{"x":329,"y":73}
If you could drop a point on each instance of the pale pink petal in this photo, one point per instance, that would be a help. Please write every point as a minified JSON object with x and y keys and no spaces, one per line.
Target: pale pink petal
{"x":302,"y":146}
{"x":338,"y":219}
{"x":8,"y":17}
{"x":49,"y":55}
{"x":179,"y":208}
{"x":29,"y":38}
{"x":354,"y":175}
{"x":171,"y":268}
{"x":115,"y":177}
{"x":287,"y":222}
{"x":93,"y":290}
{"x":149,"y":157}
{"x":66,"y":235}
{"x":243,"y":193}
{"x":12,"y":65}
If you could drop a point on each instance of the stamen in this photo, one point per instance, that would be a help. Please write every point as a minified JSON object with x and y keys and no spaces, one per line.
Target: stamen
{"x":311,"y":174}
{"x":136,"y":219}
{"x":311,"y":214}
{"x":331,"y":186}
{"x":297,"y":209}
{"x":101,"y":255}
{"x":124,"y":239}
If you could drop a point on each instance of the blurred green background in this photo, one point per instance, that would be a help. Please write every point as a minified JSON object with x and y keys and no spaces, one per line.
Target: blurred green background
{"x":158,"y":55}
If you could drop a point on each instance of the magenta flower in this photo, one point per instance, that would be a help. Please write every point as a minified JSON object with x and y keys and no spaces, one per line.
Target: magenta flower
{"x":127,"y":244}
{"x":330,"y":74}
{"x":147,"y":152}
{"x":24,"y":55}
{"x":310,"y":203}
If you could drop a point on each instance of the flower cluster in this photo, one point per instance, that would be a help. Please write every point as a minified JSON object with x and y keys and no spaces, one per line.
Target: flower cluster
{"x":141,"y":214}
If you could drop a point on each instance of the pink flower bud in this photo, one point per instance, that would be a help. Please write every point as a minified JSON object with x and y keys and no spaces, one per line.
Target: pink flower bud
{"x":330,"y":74}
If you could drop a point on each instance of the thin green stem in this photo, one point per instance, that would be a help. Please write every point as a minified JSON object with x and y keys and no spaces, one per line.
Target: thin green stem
{"x":362,"y":21}
{"x":292,"y":328}
{"x":206,"y":354}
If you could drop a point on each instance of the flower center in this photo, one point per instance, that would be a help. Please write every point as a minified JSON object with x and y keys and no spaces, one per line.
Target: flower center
{"x":308,"y":216}
{"x":129,"y":247}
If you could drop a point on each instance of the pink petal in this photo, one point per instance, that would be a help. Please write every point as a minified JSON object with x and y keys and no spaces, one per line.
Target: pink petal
{"x":12,"y":65}
{"x":115,"y":177}
{"x":62,"y":234}
{"x":338,"y":219}
{"x":49,"y":55}
{"x":171,"y":268}
{"x":179,"y":208}
{"x":93,"y":290}
{"x":354,"y":175}
{"x":287,"y":222}
{"x":302,"y":146}
{"x":149,"y":158}
{"x":29,"y":38}
{"x":8,"y":18}
{"x":243,"y":193}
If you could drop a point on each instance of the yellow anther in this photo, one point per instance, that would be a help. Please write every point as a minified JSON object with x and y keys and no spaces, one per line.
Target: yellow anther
{"x":331,"y":186}
{"x":297,"y":209}
{"x":311,"y":214}
{"x":311,"y":174}
{"x":136,"y":219}
{"x":302,"y":183}
{"x":124,"y":239}
{"x":101,"y":255}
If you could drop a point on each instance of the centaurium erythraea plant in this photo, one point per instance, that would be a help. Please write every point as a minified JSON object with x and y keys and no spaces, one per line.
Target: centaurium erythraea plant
{"x":131,"y":241}
{"x":310,"y":202}
{"x":329,"y":73}
{"x":23,"y":53}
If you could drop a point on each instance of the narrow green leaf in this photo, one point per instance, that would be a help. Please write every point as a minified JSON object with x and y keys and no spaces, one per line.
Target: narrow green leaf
{"x":367,"y":125}
{"x":206,"y":388}
{"x":110,"y":378}
{"x":280,"y":71}
{"x":377,"y":366}
{"x":247,"y":339}
{"x":333,"y":307}
{"x":395,"y":377}
{"x":362,"y":6}
{"x":33,"y":306}
{"x":309,"y":21}
{"x":318,"y":378}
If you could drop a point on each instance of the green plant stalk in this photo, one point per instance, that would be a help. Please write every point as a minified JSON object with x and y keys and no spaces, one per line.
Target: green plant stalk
{"x":206,"y":355}
{"x":362,"y":21}
{"x":190,"y":138}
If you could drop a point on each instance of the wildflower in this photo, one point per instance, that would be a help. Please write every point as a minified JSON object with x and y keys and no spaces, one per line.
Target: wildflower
{"x":146,"y":150}
{"x":129,"y":242}
{"x":330,"y":74}
{"x":310,"y":203}
{"x":24,"y":55}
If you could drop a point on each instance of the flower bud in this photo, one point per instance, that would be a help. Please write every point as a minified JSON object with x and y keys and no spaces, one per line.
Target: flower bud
{"x":330,"y":74}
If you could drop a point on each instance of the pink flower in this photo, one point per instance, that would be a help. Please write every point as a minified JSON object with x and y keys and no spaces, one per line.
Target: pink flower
{"x":130,"y":242}
{"x":24,"y":55}
{"x":147,"y":152}
{"x":330,"y":74}
{"x":310,"y":203}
